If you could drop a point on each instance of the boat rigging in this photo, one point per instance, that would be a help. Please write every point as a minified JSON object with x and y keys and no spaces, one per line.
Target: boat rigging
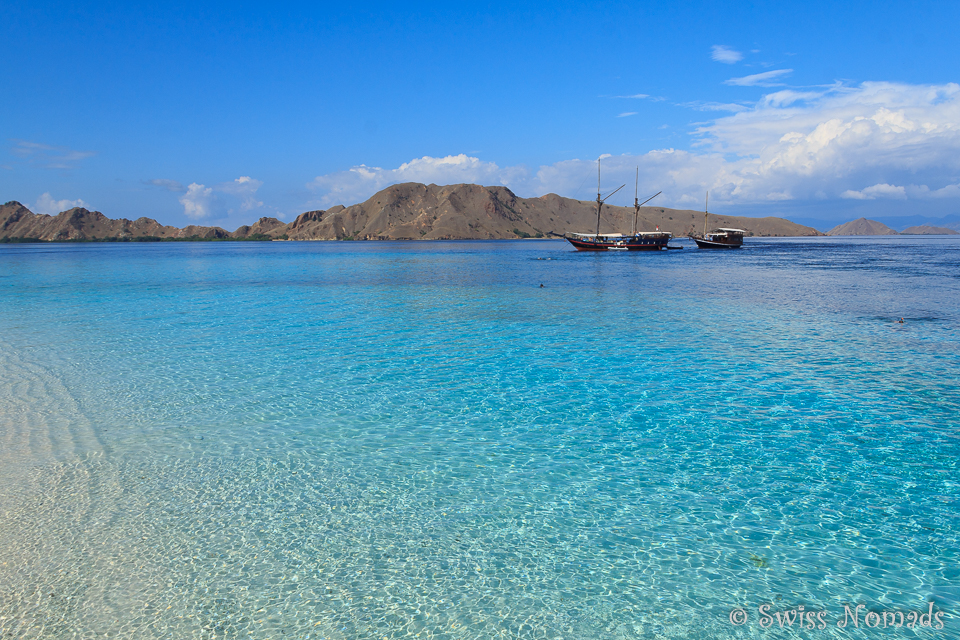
{"x":722,"y":238}
{"x":638,"y":241}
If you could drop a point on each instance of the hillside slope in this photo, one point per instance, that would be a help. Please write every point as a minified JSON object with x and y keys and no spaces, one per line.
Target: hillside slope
{"x":465,"y":211}
{"x":410,"y":211}
{"x":862,"y":227}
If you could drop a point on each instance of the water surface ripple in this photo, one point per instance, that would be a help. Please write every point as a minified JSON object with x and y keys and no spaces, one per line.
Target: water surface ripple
{"x":417,"y":440}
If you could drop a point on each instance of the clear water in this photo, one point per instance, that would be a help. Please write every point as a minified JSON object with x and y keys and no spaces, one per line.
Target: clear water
{"x":417,"y":440}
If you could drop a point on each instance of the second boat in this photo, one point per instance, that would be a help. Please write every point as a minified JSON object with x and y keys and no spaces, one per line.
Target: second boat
{"x":722,"y":238}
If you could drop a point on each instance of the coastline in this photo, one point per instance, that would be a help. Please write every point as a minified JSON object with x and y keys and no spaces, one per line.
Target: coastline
{"x":154,"y":239}
{"x":408,"y":211}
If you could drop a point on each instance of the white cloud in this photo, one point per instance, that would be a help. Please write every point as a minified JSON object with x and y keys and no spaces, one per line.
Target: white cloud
{"x":923,"y":192}
{"x":245,"y":188}
{"x":47,"y":205}
{"x":949,"y":191}
{"x":638,"y":96}
{"x":726,"y":55}
{"x":876,"y":191}
{"x":765,"y":79}
{"x":836,"y":139}
{"x":627,"y":114}
{"x":198,"y":202}
{"x":49,"y":156}
{"x":358,"y":183}
{"x":788,"y":146}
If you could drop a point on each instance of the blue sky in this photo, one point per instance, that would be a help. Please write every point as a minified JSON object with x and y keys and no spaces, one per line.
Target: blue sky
{"x":223,"y":113}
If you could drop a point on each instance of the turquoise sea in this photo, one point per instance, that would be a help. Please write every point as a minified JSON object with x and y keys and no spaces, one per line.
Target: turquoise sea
{"x":417,"y":440}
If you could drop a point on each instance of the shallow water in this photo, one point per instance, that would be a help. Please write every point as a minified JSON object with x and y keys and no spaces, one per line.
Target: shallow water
{"x":399,"y":440}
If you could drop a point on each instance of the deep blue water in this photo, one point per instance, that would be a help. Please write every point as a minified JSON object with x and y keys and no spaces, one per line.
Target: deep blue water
{"x":393,"y":440}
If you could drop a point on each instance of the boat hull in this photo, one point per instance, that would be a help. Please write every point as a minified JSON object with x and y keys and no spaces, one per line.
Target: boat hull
{"x":628,"y":243}
{"x":713,"y":244}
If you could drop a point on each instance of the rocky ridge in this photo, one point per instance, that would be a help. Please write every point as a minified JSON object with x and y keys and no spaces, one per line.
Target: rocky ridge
{"x":409,"y":211}
{"x":78,"y":224}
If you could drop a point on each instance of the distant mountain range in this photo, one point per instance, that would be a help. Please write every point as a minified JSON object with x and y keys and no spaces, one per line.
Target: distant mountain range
{"x":927,"y":230}
{"x":896,"y":223}
{"x":903,"y":222}
{"x":864,"y":227}
{"x":410,"y":211}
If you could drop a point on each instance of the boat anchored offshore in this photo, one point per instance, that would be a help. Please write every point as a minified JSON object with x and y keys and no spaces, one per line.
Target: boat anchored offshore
{"x":638,"y":241}
{"x":722,"y":238}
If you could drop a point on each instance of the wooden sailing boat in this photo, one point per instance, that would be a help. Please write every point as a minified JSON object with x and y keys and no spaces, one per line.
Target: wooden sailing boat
{"x":638,"y":241}
{"x":722,"y":238}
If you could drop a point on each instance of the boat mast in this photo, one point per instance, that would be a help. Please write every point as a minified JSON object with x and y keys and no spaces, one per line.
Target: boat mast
{"x":637,"y":204}
{"x":599,"y":201}
{"x":706,"y":202}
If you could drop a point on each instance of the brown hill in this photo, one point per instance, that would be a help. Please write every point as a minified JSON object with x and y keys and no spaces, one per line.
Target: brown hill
{"x":16,"y":221}
{"x":415,"y":211}
{"x":262,"y":227}
{"x":408,"y":211}
{"x":862,"y":227}
{"x":927,"y":230}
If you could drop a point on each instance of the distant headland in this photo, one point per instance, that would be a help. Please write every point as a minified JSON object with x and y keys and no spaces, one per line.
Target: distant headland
{"x":409,"y":211}
{"x":864,"y":227}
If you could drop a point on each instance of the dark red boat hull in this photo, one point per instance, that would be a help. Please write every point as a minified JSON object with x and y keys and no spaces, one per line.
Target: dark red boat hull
{"x":631,"y":244}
